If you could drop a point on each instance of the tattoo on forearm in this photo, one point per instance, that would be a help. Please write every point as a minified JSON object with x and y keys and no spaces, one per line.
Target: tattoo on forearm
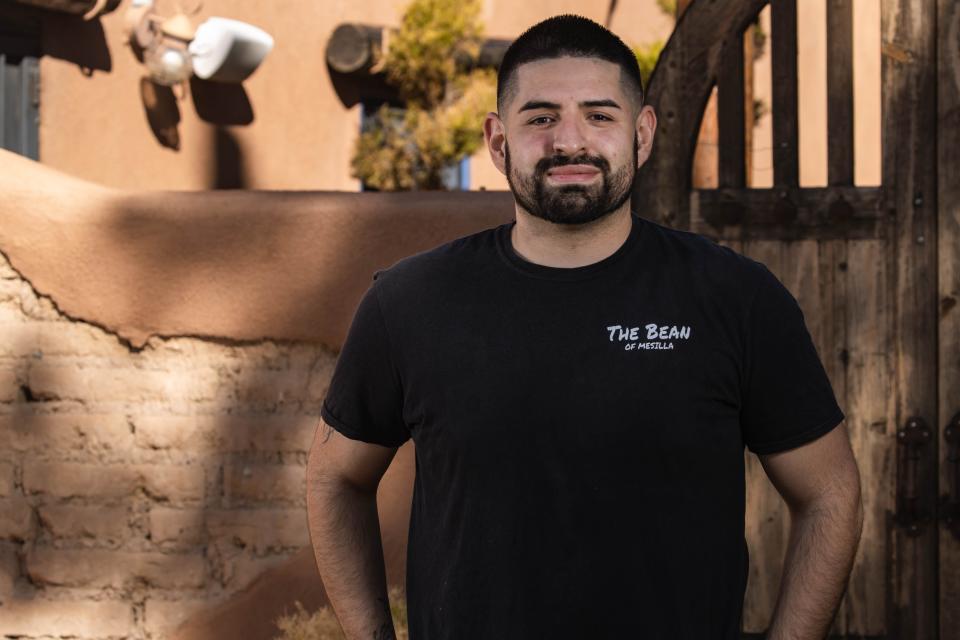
{"x":385,"y":631}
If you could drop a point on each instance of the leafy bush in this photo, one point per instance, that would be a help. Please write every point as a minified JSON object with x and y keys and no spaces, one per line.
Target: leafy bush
{"x":430,"y":63}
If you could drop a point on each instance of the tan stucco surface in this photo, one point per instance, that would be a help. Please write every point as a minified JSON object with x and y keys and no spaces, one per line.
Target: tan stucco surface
{"x":242,"y":265}
{"x":288,"y":127}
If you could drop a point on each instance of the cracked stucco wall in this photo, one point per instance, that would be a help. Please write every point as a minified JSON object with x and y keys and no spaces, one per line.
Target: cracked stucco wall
{"x":163,"y":357}
{"x":140,"y":486}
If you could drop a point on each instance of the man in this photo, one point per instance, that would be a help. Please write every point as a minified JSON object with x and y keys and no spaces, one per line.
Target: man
{"x":580,"y":385}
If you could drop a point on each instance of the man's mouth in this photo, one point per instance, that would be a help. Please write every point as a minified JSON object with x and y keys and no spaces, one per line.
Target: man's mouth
{"x":572,"y":173}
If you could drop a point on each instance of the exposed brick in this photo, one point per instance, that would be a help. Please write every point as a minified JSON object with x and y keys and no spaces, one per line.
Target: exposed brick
{"x":124,"y":384}
{"x":9,"y":386}
{"x":266,"y":386}
{"x":262,"y":530}
{"x":9,"y":570}
{"x":265,"y":482}
{"x":226,"y":433}
{"x":6,"y":478}
{"x":58,"y":337}
{"x":105,"y":524}
{"x":244,"y":569}
{"x":67,"y":432}
{"x":176,"y":527}
{"x":74,"y":479}
{"x":16,"y":518}
{"x":163,"y":616}
{"x":99,"y":568}
{"x":84,"y":619}
{"x":177,"y":483}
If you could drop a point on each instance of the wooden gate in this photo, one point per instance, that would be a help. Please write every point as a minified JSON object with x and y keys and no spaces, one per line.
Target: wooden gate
{"x":876,"y":271}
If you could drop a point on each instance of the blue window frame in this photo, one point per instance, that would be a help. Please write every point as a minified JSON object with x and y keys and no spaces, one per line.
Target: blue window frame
{"x":19,"y":82}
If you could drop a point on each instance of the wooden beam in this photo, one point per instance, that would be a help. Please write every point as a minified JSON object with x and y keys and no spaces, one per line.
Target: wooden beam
{"x":786,"y":162}
{"x":788,"y":214}
{"x":840,"y":92}
{"x":679,"y":90}
{"x":948,"y":298}
{"x":356,"y":48}
{"x":730,"y":115}
{"x":909,"y":108}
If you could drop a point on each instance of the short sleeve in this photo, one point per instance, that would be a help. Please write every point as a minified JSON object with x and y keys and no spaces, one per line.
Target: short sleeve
{"x":365,"y":400}
{"x":786,"y":397}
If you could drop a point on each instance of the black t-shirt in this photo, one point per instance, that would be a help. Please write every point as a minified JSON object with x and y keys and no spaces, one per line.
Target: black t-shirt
{"x":579,"y":432}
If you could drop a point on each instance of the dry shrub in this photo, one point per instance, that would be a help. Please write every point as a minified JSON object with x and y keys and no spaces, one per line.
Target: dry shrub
{"x":322,"y":624}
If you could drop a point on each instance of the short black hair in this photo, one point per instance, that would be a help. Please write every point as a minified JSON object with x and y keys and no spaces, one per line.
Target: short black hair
{"x":567,"y":35}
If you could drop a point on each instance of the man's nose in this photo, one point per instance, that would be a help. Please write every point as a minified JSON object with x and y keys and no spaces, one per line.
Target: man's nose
{"x":568,"y":138}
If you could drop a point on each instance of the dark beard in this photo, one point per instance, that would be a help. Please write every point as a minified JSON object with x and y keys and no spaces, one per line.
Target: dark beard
{"x":572,"y":204}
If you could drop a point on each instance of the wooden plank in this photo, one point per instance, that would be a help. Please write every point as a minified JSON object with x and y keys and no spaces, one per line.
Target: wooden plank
{"x":789,"y":214}
{"x":730,"y":115}
{"x":783,"y":25}
{"x":832,"y":346}
{"x":840,"y":92}
{"x":948,"y":239}
{"x":909,"y":94}
{"x":808,"y":279}
{"x":766,"y":520}
{"x":870,"y":384}
{"x":679,"y":89}
{"x":704,"y":173}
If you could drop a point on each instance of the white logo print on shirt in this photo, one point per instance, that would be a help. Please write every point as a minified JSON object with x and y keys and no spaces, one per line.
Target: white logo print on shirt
{"x":656,"y":336}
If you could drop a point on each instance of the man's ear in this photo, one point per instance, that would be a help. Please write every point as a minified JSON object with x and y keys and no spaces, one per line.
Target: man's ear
{"x":494,"y":135}
{"x":646,"y":129}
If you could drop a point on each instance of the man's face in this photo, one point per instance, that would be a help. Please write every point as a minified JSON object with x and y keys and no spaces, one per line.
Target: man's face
{"x":570,"y":148}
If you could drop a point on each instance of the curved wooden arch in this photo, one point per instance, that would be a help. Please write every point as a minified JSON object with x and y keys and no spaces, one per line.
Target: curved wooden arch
{"x":679,"y":88}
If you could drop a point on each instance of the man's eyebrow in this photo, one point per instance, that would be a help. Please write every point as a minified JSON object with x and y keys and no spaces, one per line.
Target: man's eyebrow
{"x":538,"y":104}
{"x":606,"y":102}
{"x":543,"y":104}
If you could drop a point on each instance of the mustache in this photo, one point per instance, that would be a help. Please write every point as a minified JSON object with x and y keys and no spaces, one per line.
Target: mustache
{"x":545,"y":164}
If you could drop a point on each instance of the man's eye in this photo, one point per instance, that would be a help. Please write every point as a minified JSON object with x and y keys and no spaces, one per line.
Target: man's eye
{"x":541,"y":120}
{"x":601,"y":117}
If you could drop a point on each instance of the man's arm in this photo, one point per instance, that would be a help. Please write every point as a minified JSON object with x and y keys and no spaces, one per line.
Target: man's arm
{"x":342,"y":479}
{"x":820,"y":483}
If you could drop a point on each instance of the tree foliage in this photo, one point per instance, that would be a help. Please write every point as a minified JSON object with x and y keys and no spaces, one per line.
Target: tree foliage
{"x":430,"y":61}
{"x":647,"y":56}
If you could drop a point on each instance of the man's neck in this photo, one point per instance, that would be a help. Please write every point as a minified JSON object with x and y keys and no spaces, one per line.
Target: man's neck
{"x":570,"y":245}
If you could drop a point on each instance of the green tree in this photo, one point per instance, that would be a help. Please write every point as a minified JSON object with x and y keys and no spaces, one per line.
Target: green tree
{"x":430,"y":61}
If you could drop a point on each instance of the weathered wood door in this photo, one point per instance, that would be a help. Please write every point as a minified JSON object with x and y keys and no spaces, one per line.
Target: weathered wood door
{"x":876,"y":271}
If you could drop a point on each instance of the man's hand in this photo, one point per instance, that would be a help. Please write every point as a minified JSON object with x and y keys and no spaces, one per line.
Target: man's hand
{"x":342,"y":480}
{"x":820,"y":483}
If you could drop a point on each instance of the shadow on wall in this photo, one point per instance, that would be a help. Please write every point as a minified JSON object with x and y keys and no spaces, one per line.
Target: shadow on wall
{"x":75,"y":40}
{"x":216,"y":103}
{"x":221,"y":103}
{"x":162,"y":112}
{"x":161,"y":479}
{"x":228,"y":170}
{"x":169,"y":354}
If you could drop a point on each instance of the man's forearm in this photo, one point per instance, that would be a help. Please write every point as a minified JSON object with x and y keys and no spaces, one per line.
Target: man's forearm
{"x":345,"y":533}
{"x":823,"y":542}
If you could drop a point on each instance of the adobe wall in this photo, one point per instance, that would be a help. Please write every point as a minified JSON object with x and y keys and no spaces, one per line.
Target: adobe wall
{"x":156,"y":417}
{"x":288,"y":127}
{"x":138,"y":487}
